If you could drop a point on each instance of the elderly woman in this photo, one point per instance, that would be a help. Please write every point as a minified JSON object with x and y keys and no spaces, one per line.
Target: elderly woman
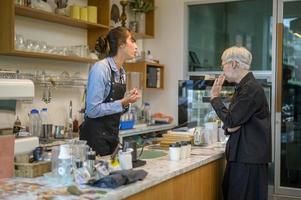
{"x":247,"y":122}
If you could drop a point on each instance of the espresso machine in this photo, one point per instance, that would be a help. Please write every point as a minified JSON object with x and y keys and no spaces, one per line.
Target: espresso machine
{"x":14,"y":89}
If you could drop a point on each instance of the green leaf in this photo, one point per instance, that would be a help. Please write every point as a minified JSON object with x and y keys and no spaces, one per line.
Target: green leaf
{"x":141,"y":6}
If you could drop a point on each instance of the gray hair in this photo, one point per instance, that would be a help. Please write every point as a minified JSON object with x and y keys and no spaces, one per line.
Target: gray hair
{"x":238,"y":54}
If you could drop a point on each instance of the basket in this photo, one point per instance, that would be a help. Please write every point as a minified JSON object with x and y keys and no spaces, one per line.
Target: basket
{"x":31,"y":170}
{"x":126,"y":124}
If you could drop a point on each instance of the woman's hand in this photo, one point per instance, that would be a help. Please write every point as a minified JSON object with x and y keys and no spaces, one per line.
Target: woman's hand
{"x":133,"y":91}
{"x":217,"y":86}
{"x":130,"y":97}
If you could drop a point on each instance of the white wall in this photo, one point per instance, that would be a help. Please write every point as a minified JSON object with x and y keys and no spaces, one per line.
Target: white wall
{"x":168,"y":48}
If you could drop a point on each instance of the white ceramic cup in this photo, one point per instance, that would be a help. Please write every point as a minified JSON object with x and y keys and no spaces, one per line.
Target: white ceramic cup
{"x":174,"y":152}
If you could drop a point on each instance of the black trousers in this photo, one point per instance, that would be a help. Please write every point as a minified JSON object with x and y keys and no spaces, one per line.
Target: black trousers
{"x":243,"y":181}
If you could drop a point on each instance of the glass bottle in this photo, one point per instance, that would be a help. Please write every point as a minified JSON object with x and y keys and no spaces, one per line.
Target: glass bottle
{"x":147,"y":113}
{"x":64,"y":165}
{"x":44,"y":116}
{"x":17,"y":126}
{"x":35,"y":123}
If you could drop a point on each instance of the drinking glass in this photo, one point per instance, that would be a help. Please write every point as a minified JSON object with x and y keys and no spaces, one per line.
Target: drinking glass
{"x":19,"y":41}
{"x":29,"y":45}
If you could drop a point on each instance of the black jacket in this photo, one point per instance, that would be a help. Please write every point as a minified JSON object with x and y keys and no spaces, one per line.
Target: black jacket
{"x":248,"y":109}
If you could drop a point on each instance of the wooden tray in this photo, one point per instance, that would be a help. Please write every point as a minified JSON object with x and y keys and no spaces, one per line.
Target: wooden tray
{"x":171,"y":138}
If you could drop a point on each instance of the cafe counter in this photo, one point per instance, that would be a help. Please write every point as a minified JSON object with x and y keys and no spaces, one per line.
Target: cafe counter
{"x":196,"y":177}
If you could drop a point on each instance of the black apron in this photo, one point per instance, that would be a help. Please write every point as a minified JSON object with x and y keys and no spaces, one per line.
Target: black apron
{"x":102,"y":133}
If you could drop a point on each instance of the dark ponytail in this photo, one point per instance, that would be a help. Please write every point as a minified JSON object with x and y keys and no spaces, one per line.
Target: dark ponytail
{"x":108,"y":45}
{"x":102,"y":46}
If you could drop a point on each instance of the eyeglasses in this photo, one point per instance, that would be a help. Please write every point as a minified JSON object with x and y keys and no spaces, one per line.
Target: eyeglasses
{"x":227,"y":62}
{"x":223,"y":64}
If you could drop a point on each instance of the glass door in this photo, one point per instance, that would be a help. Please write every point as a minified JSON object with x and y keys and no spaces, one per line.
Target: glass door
{"x":288,"y":99}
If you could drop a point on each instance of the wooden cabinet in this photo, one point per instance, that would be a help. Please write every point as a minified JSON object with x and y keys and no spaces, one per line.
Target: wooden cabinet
{"x":8,"y":12}
{"x":153,"y":73}
{"x":202,"y":183}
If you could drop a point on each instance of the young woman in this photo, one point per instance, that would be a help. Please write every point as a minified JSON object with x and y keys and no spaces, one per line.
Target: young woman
{"x":106,"y":99}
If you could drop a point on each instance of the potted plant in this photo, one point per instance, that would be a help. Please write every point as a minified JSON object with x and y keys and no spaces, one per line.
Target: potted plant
{"x":140,"y":7}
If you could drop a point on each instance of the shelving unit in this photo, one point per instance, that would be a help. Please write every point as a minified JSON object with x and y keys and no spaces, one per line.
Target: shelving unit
{"x":8,"y":12}
{"x":142,"y":36}
{"x":149,"y":25}
{"x":153,"y":73}
{"x":47,"y":80}
{"x":51,"y":17}
{"x":27,"y":54}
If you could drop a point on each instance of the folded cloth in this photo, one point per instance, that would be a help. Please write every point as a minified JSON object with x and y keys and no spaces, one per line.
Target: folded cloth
{"x":118,"y":178}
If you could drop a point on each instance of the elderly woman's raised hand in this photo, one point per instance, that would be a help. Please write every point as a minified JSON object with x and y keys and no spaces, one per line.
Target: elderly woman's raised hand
{"x":217,"y":86}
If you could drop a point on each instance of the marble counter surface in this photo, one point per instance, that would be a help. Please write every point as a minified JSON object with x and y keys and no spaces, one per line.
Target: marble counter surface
{"x":162,"y":169}
{"x":159,"y":170}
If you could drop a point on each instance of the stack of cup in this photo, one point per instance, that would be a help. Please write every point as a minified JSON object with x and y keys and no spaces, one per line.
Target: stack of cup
{"x":175,"y":151}
{"x":188,"y":151}
{"x":179,"y":150}
{"x":84,"y":13}
{"x":75,"y":12}
{"x":183,"y":149}
{"x":92,"y":14}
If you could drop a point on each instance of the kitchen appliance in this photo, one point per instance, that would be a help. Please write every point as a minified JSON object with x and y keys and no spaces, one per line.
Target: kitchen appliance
{"x":12,"y":89}
{"x":16,"y":89}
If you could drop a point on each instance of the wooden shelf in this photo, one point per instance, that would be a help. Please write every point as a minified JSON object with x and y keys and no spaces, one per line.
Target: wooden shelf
{"x":9,"y":11}
{"x":51,"y":17}
{"x":143,"y":67}
{"x":49,"y":56}
{"x":142,"y":36}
